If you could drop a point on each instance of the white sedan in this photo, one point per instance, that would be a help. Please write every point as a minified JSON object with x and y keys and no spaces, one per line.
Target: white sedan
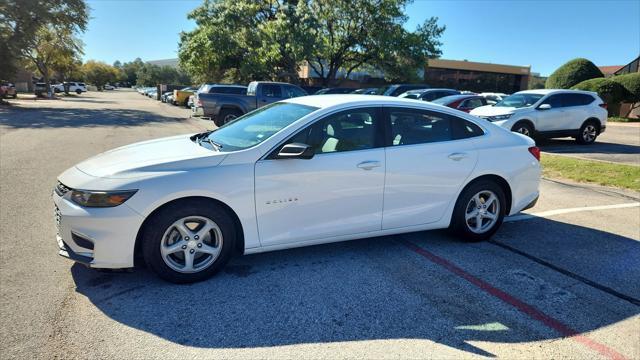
{"x":304,"y":171}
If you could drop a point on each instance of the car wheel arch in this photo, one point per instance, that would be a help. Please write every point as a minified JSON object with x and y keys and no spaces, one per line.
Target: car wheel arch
{"x":596,"y":122}
{"x":501,"y":181}
{"x":524,"y":121}
{"x":239,"y":245}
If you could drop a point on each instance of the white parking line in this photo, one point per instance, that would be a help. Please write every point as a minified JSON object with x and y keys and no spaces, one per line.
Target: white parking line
{"x":520,"y":217}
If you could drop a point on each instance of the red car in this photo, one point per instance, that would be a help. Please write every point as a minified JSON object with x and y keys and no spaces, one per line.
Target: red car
{"x":7,"y":90}
{"x":466,"y":102}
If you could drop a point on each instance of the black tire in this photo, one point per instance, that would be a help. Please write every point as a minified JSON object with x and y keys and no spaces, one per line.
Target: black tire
{"x":588,"y":132}
{"x":78,"y":91}
{"x":226,"y":115}
{"x":56,"y":90}
{"x":523,"y":128}
{"x":161,"y":221}
{"x":459,"y":224}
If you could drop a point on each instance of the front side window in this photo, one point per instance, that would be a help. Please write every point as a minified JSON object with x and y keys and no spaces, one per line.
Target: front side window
{"x":270,"y":90}
{"x":257,"y":126}
{"x":413,"y":126}
{"x":345,"y":131}
{"x":292,"y":91}
{"x":519,"y":100}
{"x":556,"y":101}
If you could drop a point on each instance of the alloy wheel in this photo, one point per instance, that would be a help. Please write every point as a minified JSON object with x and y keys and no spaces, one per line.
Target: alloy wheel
{"x":482,"y":211}
{"x":524,"y":131}
{"x":191,"y":244}
{"x":589,"y":133}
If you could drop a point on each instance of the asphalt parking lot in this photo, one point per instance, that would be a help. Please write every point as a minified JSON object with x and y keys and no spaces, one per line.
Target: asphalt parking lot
{"x":561,"y":281}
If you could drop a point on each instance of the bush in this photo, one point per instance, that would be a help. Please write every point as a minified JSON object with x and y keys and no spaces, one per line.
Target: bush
{"x":631,"y":83}
{"x":610,"y":91}
{"x":572,"y":73}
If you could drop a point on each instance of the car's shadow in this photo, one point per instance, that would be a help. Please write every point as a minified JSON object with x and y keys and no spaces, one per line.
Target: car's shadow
{"x":366,"y":289}
{"x":570,"y":146}
{"x":51,"y":117}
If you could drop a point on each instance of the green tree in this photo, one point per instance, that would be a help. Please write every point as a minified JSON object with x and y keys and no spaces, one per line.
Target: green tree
{"x":572,"y":73}
{"x":24,"y":25}
{"x":349,"y":34}
{"x":131,"y":70}
{"x":52,"y":49}
{"x":243,"y":40}
{"x":99,"y":73}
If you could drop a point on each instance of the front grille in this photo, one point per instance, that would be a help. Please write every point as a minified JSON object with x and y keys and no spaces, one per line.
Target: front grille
{"x":61,"y":189}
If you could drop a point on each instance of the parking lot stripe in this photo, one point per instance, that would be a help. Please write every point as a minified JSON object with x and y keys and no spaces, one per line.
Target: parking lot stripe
{"x":520,"y":305}
{"x":568,"y":273}
{"x":520,"y":217}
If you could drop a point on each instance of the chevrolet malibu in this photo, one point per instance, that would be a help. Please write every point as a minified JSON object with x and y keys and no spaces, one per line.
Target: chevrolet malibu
{"x":299,"y":172}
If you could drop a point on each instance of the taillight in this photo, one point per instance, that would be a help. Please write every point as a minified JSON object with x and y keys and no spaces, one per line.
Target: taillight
{"x":603,"y":105}
{"x":535,"y":151}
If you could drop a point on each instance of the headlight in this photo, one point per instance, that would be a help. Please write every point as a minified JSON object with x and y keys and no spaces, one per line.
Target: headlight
{"x":500,"y":117}
{"x":100,"y":198}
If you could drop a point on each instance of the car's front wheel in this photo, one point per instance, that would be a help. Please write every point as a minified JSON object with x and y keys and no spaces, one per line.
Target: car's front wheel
{"x":479,"y":211}
{"x":523,"y":128}
{"x":188,"y":241}
{"x":588,"y":133}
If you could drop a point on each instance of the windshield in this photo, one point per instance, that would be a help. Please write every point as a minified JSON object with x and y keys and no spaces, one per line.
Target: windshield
{"x":519,"y":100}
{"x":257,"y":126}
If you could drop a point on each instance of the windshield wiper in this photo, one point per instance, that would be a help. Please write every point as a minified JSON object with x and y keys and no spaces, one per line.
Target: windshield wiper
{"x":213,"y":144}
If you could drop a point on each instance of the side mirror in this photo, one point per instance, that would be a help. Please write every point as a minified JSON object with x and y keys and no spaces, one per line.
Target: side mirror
{"x":544,"y":107}
{"x":296,"y":151}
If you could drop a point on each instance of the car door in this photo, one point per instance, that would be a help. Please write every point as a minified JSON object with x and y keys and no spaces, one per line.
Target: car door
{"x":553,"y":119}
{"x":429,"y":157}
{"x":337,"y":192}
{"x":576,"y":110}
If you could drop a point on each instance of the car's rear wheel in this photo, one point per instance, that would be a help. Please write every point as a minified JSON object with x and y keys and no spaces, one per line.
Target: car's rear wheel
{"x":479,"y":211}
{"x":588,"y":133}
{"x":523,"y":128}
{"x":189,"y":241}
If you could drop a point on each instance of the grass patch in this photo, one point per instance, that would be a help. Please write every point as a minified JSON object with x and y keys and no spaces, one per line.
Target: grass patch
{"x":622,"y":119}
{"x":596,"y":172}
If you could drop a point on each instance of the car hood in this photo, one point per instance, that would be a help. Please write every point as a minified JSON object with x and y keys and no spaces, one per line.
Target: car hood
{"x":489,"y":110}
{"x":175,"y":153}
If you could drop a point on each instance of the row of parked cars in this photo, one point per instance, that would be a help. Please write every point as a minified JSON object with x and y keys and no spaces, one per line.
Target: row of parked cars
{"x":539,"y":113}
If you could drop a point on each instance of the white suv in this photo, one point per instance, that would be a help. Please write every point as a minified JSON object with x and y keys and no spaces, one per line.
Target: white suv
{"x":550,"y":113}
{"x":76,"y":87}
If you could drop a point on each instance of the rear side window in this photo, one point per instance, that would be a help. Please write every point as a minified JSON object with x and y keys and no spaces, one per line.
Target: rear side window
{"x":271,"y":90}
{"x":463,"y":129}
{"x":472,"y":103}
{"x":577,"y":99}
{"x":413,"y":126}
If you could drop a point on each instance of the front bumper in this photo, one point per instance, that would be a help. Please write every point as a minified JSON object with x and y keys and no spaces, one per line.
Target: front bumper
{"x":96,"y":237}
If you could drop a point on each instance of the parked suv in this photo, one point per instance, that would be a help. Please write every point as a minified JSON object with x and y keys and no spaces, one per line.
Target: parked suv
{"x":550,"y":113}
{"x":76,"y":87}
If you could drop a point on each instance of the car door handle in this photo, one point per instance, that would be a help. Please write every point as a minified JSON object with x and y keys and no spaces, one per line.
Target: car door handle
{"x":368,"y":165}
{"x":457,"y":156}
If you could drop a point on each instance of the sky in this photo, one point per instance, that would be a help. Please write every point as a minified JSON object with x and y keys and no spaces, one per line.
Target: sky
{"x":543,"y":34}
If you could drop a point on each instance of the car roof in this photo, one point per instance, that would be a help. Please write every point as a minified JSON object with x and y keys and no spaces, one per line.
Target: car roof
{"x":331,"y":100}
{"x":554,"y":91}
{"x":420,"y":91}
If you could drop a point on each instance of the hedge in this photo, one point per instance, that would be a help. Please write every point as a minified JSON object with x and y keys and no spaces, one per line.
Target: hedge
{"x":572,"y":73}
{"x":610,"y":91}
{"x":631,"y":83}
